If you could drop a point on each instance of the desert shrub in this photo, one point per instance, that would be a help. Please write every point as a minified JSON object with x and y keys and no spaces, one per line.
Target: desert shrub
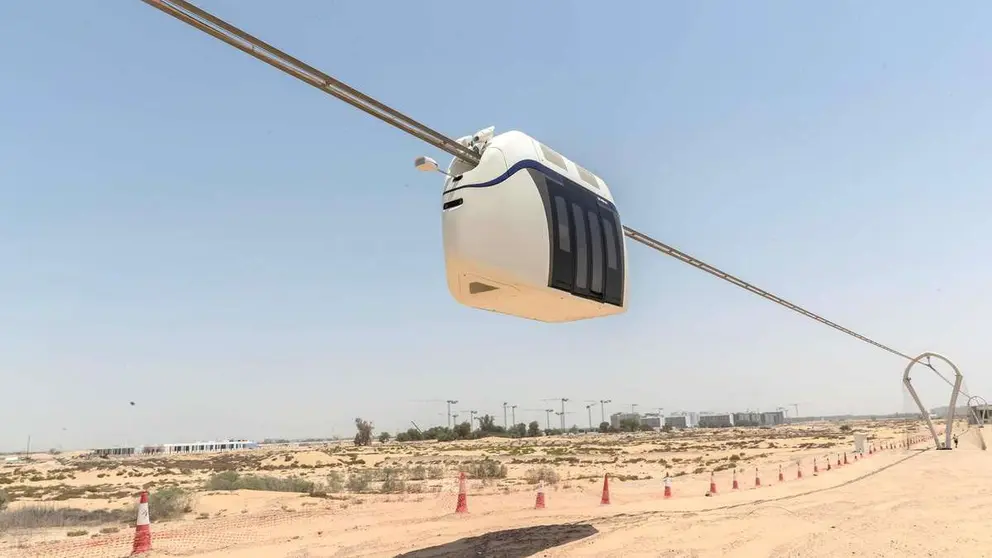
{"x":384,"y":437}
{"x":486,"y":469}
{"x":335,"y":481}
{"x":734,"y":457}
{"x":230,"y":480}
{"x":359,"y":481}
{"x":41,"y":516}
{"x":435,"y":472}
{"x":547,"y":475}
{"x":77,"y":533}
{"x":418,"y":473}
{"x":5,"y":499}
{"x":845,"y":428}
{"x":392,"y":481}
{"x":168,"y":503}
{"x":226,"y":480}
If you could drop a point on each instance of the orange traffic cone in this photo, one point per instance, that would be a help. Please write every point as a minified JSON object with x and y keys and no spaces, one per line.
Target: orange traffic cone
{"x":668,"y":486}
{"x":142,"y":528}
{"x":462,"y":506}
{"x":757,"y":478}
{"x":781,"y":477}
{"x":606,"y":490}
{"x":735,"y":486}
{"x":539,"y":504}
{"x":712,"y":483}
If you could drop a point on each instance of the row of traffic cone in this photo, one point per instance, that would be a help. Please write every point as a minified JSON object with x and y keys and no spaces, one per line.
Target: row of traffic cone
{"x":541,"y":502}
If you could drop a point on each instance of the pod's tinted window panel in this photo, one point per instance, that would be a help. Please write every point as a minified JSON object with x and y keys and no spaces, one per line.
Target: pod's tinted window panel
{"x":596,"y":249}
{"x":613,"y":237}
{"x":581,"y":250}
{"x":562,"y":259}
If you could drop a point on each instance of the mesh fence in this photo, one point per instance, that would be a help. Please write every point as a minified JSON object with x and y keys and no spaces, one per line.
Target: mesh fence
{"x":186,"y":539}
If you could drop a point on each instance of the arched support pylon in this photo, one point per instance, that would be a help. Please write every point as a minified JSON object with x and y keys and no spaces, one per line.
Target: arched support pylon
{"x":958,"y":378}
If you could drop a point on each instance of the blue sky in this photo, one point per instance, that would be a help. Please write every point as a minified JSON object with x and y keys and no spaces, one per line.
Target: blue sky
{"x":241,"y":255}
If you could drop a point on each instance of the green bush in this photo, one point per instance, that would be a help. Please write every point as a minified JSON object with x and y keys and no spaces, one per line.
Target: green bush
{"x":335,"y":481}
{"x":43,"y":516}
{"x":226,"y":480}
{"x":486,"y":469}
{"x":392,"y":481}
{"x":418,"y":473}
{"x":435,"y":472}
{"x":168,"y":503}
{"x":359,"y":481}
{"x":545,"y":474}
{"x":230,"y":480}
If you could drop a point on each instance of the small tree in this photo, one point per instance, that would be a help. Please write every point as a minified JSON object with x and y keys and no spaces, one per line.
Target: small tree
{"x":487,"y":423}
{"x":463,"y":431}
{"x":364,"y":435}
{"x":534,"y":429}
{"x":384,"y":437}
{"x":604,"y":427}
{"x":630,"y":425}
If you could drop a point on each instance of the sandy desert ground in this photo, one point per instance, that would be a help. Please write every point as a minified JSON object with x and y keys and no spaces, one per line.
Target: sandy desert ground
{"x":399,"y":499}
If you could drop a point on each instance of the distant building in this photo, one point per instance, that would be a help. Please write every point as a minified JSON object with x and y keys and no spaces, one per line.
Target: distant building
{"x":617,"y":418}
{"x":208,"y":447}
{"x":677,"y":422}
{"x":191,"y":447}
{"x":980,"y":412}
{"x":691,"y":419}
{"x":653,"y":422}
{"x":772,"y":418}
{"x":716,"y":421}
{"x":747,"y":419}
{"x":114,"y":452}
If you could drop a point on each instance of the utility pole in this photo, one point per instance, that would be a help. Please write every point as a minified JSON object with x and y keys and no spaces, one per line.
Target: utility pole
{"x":513,"y":414}
{"x":455,"y":416}
{"x":632,"y":405}
{"x":549,"y":411}
{"x":602,"y":409}
{"x":471,"y":415}
{"x":796,"y":405}
{"x":563,"y":400}
{"x":589,"y":410}
{"x":450,"y":403}
{"x":505,"y":425}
